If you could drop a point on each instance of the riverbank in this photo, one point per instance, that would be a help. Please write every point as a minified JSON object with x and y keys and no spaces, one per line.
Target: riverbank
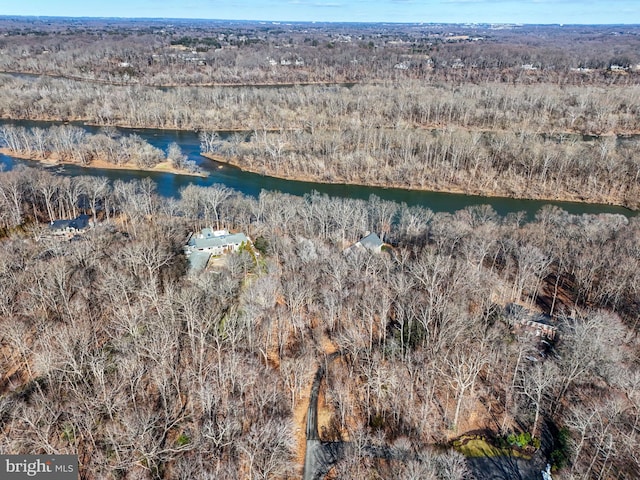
{"x":433,"y":186}
{"x":478,"y":182}
{"x":162,"y":167}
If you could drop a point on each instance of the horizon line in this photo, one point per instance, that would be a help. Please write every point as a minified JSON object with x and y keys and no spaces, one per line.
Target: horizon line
{"x":280,"y":22}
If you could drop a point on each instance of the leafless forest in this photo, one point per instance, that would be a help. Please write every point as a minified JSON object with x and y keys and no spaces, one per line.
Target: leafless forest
{"x":113,"y":349}
{"x":470,"y":109}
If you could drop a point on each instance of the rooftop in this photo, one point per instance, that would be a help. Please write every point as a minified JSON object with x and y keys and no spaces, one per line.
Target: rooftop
{"x":372,"y":242}
{"x":198,"y":260}
{"x":209,"y":238}
{"x":79,"y":223}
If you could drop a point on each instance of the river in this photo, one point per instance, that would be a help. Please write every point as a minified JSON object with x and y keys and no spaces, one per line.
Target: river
{"x":169,"y":185}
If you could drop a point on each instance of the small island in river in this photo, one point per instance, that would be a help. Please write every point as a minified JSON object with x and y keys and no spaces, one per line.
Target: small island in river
{"x":164,"y":167}
{"x":67,"y":144}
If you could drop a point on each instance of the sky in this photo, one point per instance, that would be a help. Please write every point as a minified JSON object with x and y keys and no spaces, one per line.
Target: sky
{"x":428,"y":11}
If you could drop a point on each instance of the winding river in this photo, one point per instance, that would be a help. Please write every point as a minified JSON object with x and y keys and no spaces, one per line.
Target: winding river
{"x":169,"y":185}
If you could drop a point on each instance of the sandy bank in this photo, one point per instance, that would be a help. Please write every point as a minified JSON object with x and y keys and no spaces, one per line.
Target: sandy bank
{"x":163,"y":167}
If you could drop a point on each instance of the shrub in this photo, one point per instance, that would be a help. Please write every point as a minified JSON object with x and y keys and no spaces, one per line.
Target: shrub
{"x":522,"y":440}
{"x":261,"y":244}
{"x":560,"y":455}
{"x":183,"y":440}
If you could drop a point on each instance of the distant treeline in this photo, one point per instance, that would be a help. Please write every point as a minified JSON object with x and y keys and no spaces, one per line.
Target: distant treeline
{"x":404,"y":105}
{"x":197,"y":52}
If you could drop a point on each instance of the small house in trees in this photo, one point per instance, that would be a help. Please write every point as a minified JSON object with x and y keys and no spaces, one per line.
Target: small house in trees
{"x":70,"y":227}
{"x":370,"y":242}
{"x":536,"y":324}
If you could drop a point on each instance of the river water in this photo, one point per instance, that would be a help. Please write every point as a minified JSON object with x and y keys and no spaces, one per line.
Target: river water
{"x":169,"y":185}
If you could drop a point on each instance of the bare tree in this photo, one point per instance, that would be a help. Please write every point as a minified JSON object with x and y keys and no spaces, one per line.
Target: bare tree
{"x":536,"y":384}
{"x":462,"y":370}
{"x":97,"y":189}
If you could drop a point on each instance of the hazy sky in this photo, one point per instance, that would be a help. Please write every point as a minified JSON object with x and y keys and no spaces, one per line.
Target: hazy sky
{"x":455,"y":11}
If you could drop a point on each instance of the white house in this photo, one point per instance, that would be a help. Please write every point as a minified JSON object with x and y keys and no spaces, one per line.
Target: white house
{"x":200,"y":246}
{"x":216,"y":242}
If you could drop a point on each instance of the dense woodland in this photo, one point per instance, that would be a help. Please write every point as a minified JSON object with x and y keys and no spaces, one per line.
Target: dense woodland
{"x":112,"y":349}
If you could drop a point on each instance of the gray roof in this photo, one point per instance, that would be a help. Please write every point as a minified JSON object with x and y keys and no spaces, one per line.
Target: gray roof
{"x":206,"y":239}
{"x":372,"y":242}
{"x":198,"y":260}
{"x":79,"y":223}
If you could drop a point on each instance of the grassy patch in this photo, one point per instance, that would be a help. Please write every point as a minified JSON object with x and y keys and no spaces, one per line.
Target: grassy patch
{"x":479,"y":447}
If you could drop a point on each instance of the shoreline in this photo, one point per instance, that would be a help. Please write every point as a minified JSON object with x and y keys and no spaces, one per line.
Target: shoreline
{"x":162,"y":167}
{"x":165,"y":167}
{"x":430,"y":188}
{"x":127,"y":126}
